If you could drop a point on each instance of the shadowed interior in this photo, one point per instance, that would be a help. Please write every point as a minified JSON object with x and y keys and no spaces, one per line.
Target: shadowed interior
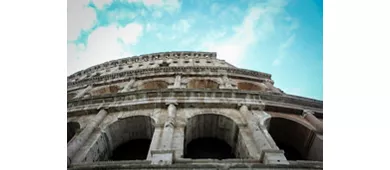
{"x":136,"y":149}
{"x":73,"y":127}
{"x":131,"y":138}
{"x":211,"y":136}
{"x":291,"y":137}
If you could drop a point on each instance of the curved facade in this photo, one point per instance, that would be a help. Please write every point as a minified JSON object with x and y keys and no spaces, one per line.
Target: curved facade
{"x":187,"y":110}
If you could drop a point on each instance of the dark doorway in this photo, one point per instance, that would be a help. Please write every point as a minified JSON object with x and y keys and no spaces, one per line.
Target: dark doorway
{"x":291,"y":137}
{"x":209,"y":148}
{"x":132,"y":150}
{"x":73,"y":127}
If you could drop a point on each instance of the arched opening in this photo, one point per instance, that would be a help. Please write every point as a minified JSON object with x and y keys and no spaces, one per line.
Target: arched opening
{"x":72,"y":129}
{"x":131,"y":138}
{"x":158,"y":84}
{"x":125,"y":139}
{"x":292,"y":137}
{"x":105,"y":90}
{"x":249,"y":86}
{"x":210,"y":136}
{"x":202,"y":84}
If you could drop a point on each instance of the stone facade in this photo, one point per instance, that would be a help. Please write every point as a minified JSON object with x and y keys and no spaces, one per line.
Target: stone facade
{"x":187,"y":110}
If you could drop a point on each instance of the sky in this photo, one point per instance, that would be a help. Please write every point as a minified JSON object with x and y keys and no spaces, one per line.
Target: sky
{"x":279,"y":37}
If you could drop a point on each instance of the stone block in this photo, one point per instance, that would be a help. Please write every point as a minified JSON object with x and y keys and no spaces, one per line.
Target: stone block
{"x":162,"y":157}
{"x":272,"y":156}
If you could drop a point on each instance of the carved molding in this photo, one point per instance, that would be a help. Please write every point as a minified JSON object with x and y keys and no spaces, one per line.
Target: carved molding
{"x":172,"y":71}
{"x":189,"y":98}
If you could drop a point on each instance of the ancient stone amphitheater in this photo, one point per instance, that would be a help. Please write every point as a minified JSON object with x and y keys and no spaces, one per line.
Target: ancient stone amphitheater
{"x":187,"y":110}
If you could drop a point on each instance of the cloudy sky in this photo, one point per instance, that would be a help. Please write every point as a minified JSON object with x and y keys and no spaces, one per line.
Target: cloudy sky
{"x":280,"y":37}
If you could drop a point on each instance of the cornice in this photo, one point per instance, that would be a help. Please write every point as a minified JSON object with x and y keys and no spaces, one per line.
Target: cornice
{"x":150,"y":57}
{"x":160,"y":71}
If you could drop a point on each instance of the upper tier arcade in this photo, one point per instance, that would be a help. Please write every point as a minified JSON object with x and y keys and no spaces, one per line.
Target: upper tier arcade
{"x":156,"y":61}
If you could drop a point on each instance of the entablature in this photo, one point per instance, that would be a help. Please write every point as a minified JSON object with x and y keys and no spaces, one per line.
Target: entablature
{"x":196,"y":98}
{"x":160,"y":71}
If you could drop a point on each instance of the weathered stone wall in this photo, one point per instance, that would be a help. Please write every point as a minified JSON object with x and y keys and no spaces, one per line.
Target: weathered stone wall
{"x":174,"y":98}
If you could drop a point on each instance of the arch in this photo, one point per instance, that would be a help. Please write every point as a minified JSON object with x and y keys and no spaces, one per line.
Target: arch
{"x":250,"y":86}
{"x":124,"y":139}
{"x":106,"y":90}
{"x":211,"y":136}
{"x":156,"y":84}
{"x":72,"y":129}
{"x":292,"y":137}
{"x":202,"y":84}
{"x":266,"y":121}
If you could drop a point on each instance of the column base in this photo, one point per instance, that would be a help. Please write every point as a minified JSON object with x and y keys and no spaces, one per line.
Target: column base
{"x":162,"y":157}
{"x":272,"y":156}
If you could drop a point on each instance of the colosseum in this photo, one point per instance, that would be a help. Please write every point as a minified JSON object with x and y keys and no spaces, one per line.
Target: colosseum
{"x":187,"y":110}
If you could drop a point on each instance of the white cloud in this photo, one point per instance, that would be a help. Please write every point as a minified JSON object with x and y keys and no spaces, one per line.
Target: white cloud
{"x":181,"y":26}
{"x":282,"y":50}
{"x":100,"y":3}
{"x":234,"y":49}
{"x":80,"y":17}
{"x":103,"y":45}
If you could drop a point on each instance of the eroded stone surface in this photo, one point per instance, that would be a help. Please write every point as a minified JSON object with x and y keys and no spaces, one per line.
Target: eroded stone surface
{"x":170,"y":99}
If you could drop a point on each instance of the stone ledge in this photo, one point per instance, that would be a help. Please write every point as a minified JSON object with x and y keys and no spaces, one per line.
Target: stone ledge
{"x":211,"y":165}
{"x":194,"y":94}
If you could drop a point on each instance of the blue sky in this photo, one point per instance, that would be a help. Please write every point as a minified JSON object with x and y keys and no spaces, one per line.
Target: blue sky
{"x":280,"y":37}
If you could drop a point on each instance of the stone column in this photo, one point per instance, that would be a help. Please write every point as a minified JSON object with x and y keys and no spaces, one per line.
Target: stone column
{"x":259,"y":138}
{"x":309,"y":116}
{"x":268,"y":154}
{"x":169,"y":128}
{"x":81,"y":94}
{"x":155,"y":140}
{"x":80,"y":139}
{"x":177,"y":83}
{"x":164,"y":154}
{"x":128,"y":85}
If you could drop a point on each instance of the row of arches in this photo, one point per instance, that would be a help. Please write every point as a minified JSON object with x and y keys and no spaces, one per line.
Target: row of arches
{"x":160,"y":84}
{"x":206,"y":136}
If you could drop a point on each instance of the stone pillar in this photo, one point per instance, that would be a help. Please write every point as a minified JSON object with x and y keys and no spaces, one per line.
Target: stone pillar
{"x":178,"y":141}
{"x":128,"y":86}
{"x":259,"y":138}
{"x":177,"y":83}
{"x":263,"y":120}
{"x":81,"y":94}
{"x":164,"y":154}
{"x":309,"y":116}
{"x":169,"y":128}
{"x":80,"y":139}
{"x":268,"y":154}
{"x":156,"y":140}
